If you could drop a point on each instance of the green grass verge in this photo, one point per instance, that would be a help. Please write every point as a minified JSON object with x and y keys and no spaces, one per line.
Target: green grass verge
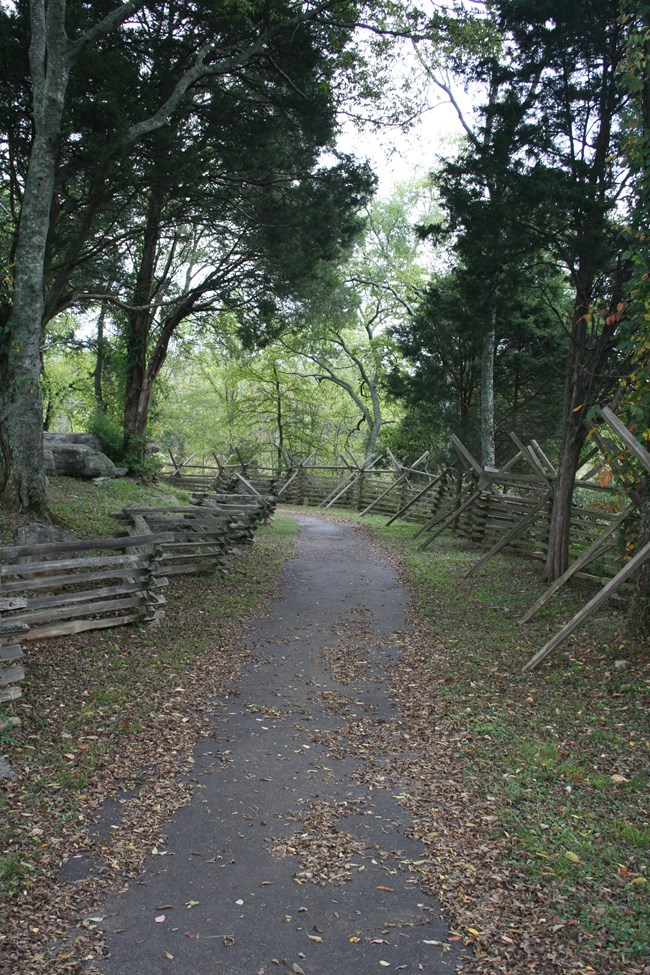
{"x":544,"y":745}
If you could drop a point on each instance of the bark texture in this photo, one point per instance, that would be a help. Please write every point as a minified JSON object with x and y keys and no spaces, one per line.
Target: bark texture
{"x":23,"y":480}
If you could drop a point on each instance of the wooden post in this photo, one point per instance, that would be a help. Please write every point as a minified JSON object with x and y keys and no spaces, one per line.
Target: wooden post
{"x":533,"y":460}
{"x":627,"y":438}
{"x":247,"y":484}
{"x":179,"y":467}
{"x":299,"y":469}
{"x":598,"y":600}
{"x":450,"y":518}
{"x":517,"y":529}
{"x":352,"y":479}
{"x":419,"y":495}
{"x":404,"y":473}
{"x":595,"y":549}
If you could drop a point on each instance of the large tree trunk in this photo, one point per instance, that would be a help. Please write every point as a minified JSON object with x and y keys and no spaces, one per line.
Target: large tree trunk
{"x":557,"y":560}
{"x":374,"y":420}
{"x":487,"y":391}
{"x":143,"y":378}
{"x":22,"y":479}
{"x":98,"y":372}
{"x":573,"y":437}
{"x":138,"y":383}
{"x":279,"y":419}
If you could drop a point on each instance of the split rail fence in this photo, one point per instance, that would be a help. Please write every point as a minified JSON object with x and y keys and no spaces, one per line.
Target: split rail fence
{"x":63,"y":588}
{"x":509,"y":507}
{"x":495,"y":509}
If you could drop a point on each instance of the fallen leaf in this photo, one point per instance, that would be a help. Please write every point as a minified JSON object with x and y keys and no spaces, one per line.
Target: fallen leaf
{"x":159,"y":919}
{"x":168,"y":955}
{"x":573,"y":857}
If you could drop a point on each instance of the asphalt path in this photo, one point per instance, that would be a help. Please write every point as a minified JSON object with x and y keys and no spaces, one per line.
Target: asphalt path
{"x":285,"y":860}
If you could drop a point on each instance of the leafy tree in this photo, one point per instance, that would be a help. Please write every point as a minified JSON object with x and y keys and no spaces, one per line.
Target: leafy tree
{"x":635,"y":325}
{"x":478,"y":187}
{"x":221,"y":396}
{"x":553,"y":111}
{"x":573,"y":181}
{"x":66,"y":378}
{"x":345,"y":336}
{"x":442,"y":345}
{"x":93,"y":83}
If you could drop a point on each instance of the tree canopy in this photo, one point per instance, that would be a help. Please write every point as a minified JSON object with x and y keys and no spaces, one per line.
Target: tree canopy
{"x":171,"y":187}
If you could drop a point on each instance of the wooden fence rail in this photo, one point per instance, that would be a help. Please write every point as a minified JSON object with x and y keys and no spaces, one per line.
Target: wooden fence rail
{"x":201,"y":535}
{"x":56,"y":589}
{"x":99,"y":584}
{"x":62,"y":588}
{"x":11,"y":652}
{"x":507,"y":509}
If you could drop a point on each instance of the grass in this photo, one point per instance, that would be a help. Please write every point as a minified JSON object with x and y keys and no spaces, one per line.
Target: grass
{"x":84,"y":508}
{"x":544,"y":745}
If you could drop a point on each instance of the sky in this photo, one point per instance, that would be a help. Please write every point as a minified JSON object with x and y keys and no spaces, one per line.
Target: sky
{"x":397,"y":157}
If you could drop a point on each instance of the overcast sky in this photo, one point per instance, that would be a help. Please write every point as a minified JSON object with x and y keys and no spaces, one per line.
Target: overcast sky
{"x":398,"y":156}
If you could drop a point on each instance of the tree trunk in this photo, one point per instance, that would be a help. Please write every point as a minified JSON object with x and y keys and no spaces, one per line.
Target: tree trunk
{"x":573,"y":438}
{"x":374,"y":420}
{"x":487,"y":391}
{"x":22,"y":480}
{"x":279,"y":419}
{"x":98,"y":372}
{"x":139,"y":384}
{"x":557,"y":560}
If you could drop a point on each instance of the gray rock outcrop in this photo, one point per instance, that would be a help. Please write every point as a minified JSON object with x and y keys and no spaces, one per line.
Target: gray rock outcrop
{"x":76,"y":455}
{"x":50,"y":440}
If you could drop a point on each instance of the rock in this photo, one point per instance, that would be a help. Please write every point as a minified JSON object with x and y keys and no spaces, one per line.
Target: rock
{"x":87,"y":439}
{"x":79,"y":460}
{"x":76,"y":455}
{"x":37,"y":533}
{"x":6,"y":771}
{"x":618,"y":779}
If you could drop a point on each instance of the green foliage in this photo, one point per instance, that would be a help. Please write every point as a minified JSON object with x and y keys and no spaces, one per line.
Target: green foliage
{"x":110,"y":433}
{"x":635,"y":324}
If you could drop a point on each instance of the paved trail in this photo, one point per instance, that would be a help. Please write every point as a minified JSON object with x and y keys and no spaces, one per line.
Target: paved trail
{"x":263,"y":783}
